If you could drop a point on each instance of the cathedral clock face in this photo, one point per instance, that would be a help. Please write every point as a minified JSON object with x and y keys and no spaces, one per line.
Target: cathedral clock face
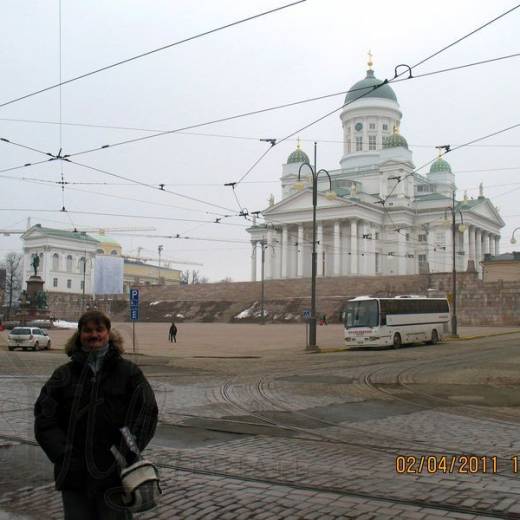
{"x":359,"y":127}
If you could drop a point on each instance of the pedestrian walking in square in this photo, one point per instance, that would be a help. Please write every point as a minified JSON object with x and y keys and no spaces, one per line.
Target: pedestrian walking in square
{"x":172,"y":335}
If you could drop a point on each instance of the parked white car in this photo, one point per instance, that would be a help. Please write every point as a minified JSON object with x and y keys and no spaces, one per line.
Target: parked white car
{"x":28,"y":337}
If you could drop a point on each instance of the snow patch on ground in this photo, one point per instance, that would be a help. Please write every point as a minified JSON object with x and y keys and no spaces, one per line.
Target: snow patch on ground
{"x":154,"y":303}
{"x":62,"y":324}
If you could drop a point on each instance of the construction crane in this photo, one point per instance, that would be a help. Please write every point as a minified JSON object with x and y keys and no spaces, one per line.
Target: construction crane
{"x":99,"y":231}
{"x":103,"y":231}
{"x":162,"y":260}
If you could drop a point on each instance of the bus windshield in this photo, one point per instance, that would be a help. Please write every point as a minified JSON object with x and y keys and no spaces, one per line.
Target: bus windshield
{"x":362,"y":314}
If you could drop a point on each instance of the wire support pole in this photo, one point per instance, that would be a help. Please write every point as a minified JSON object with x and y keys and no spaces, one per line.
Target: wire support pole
{"x":262,"y":285}
{"x":454,"y":331}
{"x":315,"y":175}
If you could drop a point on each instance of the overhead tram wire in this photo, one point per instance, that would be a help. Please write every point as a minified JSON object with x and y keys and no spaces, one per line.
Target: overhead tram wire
{"x":24,"y":146}
{"x":160,"y":187}
{"x":181,"y":236}
{"x":372,"y":89}
{"x":228,"y":118}
{"x":120,"y":197}
{"x":153,"y":51}
{"x":452,"y":44}
{"x":122,"y":215}
{"x":396,"y":76}
{"x":449,"y":150}
{"x":278,"y":107}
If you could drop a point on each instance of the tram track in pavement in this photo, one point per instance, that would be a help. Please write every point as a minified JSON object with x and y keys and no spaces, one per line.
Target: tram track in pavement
{"x":336,"y":490}
{"x":386,"y":450}
{"x":225,"y":391}
{"x":425,"y":400}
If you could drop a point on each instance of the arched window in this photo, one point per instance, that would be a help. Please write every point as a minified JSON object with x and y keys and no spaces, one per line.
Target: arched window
{"x":100,"y":251}
{"x":69,"y":264}
{"x":55,"y":262}
{"x":113,"y":252}
{"x":81,"y":264}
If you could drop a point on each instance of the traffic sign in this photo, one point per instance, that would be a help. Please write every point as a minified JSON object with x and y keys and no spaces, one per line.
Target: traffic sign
{"x":134,"y":296}
{"x":134,"y":313}
{"x":306,"y":314}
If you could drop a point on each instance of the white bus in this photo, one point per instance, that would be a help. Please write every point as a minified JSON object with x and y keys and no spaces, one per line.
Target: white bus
{"x":373,"y":322}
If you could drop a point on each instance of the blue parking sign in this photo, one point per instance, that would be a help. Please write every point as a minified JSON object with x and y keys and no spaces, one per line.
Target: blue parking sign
{"x":134,"y":296}
{"x":306,"y":314}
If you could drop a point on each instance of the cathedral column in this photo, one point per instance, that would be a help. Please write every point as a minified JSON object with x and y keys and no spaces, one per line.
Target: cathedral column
{"x":465,"y":248}
{"x":485,"y":244}
{"x":471,"y":256}
{"x":345,"y":262}
{"x":497,"y":245}
{"x":354,"y":246}
{"x":253,"y":261}
{"x":269,"y":255}
{"x":285,"y":250}
{"x":402,"y":258}
{"x":299,"y":252}
{"x":478,"y":249}
{"x":337,"y":249}
{"x":372,"y":252}
{"x":319,"y":250}
{"x":491,"y":244}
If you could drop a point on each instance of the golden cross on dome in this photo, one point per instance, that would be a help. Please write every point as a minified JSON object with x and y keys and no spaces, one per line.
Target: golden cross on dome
{"x":370,"y":60}
{"x":298,"y":145}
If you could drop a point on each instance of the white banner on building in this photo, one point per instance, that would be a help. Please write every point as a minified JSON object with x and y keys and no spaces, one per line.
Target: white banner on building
{"x":108,"y":275}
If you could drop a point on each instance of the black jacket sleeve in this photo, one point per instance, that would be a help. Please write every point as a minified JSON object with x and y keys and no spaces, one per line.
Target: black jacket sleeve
{"x":142,"y":410}
{"x":48,"y":432}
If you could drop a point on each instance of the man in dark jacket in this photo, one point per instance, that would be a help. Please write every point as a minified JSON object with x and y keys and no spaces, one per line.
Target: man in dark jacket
{"x":172,"y":335}
{"x":78,"y":417}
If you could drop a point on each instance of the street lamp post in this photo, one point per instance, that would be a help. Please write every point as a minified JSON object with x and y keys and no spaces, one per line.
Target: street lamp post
{"x":513,"y":239}
{"x":262,"y":295}
{"x":159,"y":250}
{"x":454,"y":331}
{"x":315,"y":174}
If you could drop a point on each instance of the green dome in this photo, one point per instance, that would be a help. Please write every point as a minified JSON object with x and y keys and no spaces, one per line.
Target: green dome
{"x":394,"y":141}
{"x":440,"y":165}
{"x":298,"y":156}
{"x":364,"y":89}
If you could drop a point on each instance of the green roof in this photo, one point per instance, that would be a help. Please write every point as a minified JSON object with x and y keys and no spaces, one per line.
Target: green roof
{"x":395,"y":141}
{"x":106,"y":240}
{"x":440,"y":165}
{"x":365,"y":89}
{"x":62,"y":233}
{"x":469,"y":203}
{"x":298,"y":156}
{"x":432,"y":196}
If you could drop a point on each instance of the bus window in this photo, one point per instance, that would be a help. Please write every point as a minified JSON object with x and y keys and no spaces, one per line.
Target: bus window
{"x":362,"y":314}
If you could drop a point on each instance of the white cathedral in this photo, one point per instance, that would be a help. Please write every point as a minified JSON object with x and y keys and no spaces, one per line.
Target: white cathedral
{"x":380,"y":217}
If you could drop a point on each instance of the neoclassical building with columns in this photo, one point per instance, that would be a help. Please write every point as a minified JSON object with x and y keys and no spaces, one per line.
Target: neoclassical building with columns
{"x":381,"y":217}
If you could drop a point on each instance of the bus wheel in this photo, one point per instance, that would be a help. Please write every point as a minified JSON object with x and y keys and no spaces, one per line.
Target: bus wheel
{"x":435,"y":338}
{"x":397,"y":341}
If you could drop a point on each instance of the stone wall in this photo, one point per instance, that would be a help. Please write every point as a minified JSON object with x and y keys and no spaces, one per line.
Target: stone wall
{"x":69,"y":307}
{"x":479,"y":303}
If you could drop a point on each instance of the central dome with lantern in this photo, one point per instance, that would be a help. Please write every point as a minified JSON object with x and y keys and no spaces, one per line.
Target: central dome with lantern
{"x":370,"y":114}
{"x":370,"y":87}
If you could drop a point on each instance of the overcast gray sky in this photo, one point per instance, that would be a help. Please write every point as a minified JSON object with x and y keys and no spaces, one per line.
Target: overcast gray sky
{"x":315,"y":48}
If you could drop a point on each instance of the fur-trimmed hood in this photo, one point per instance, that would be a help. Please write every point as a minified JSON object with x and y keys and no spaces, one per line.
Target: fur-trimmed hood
{"x":115,"y":339}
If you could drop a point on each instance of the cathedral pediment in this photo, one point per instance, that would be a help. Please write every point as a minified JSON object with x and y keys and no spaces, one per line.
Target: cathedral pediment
{"x":483,"y":208}
{"x":302,"y":200}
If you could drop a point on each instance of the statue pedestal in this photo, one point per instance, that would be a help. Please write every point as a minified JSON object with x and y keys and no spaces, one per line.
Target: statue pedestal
{"x":29,"y":308}
{"x":34,"y":285}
